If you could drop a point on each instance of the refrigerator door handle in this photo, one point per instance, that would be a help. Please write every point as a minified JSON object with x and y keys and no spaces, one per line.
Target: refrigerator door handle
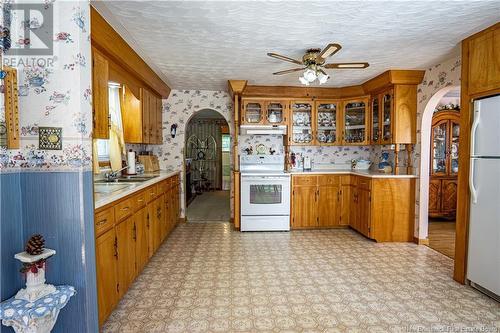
{"x":475,"y":124}
{"x":473,"y":190}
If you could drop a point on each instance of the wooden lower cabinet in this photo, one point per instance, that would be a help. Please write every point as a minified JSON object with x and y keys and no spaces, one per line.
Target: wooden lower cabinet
{"x":315,"y":201}
{"x":128,"y":232}
{"x":329,"y":206}
{"x":443,"y":197}
{"x":304,"y":203}
{"x":126,"y":261}
{"x":106,"y":270}
{"x":141,"y":240}
{"x":382,"y":209}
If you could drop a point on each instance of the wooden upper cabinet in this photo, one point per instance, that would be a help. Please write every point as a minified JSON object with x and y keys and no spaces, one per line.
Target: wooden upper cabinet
{"x":276,"y":112}
{"x":252,"y":112}
{"x":142,"y":117}
{"x":327,"y":122}
{"x":393,"y":115}
{"x":355,"y":121}
{"x":484,"y":62}
{"x":100,"y":98}
{"x":301,"y":131}
{"x":375,"y":132}
{"x":386,"y":115}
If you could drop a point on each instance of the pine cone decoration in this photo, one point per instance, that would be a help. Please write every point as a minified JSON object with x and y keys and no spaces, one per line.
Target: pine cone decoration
{"x":35,"y":245}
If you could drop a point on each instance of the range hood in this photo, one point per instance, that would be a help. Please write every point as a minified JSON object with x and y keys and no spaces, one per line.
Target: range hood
{"x":263,"y":129}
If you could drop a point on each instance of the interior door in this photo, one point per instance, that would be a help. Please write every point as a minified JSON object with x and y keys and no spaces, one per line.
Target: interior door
{"x":329,"y":206}
{"x":305,"y":203}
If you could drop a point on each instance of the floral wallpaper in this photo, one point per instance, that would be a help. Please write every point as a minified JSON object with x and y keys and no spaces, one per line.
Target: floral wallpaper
{"x":54,"y":91}
{"x":178,"y":109}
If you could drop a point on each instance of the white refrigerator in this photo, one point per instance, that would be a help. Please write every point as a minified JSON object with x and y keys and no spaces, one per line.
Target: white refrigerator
{"x":483,"y":264}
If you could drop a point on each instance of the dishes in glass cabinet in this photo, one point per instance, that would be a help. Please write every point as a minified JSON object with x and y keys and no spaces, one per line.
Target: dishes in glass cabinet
{"x":302,"y":107}
{"x":302,"y":137}
{"x":301,"y":119}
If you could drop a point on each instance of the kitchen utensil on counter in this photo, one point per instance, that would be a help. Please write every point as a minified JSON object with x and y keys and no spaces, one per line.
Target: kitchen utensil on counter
{"x":361,"y":164}
{"x":307,"y":163}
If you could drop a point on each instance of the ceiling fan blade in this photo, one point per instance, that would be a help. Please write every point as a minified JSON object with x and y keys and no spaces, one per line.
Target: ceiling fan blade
{"x":329,"y":50}
{"x":285,"y":58}
{"x":348,"y":65}
{"x":288,"y":71}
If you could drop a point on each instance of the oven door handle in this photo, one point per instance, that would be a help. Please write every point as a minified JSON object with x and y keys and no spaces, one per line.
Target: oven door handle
{"x":252,"y":178}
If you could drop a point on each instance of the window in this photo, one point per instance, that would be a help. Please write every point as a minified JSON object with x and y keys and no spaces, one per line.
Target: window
{"x":226,"y":142}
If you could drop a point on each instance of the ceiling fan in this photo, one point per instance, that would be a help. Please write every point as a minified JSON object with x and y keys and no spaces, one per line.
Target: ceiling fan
{"x":314,"y":64}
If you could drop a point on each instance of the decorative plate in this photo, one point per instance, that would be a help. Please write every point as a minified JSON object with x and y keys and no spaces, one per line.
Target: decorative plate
{"x":261,"y":149}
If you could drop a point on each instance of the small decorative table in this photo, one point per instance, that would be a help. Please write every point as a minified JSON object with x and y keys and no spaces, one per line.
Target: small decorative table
{"x":35,"y":317}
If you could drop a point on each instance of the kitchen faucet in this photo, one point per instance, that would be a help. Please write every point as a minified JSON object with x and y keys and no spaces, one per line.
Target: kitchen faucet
{"x":113,"y":175}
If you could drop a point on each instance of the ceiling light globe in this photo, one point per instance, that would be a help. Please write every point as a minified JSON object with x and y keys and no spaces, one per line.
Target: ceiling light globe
{"x":309,"y":75}
{"x":322,"y":78}
{"x":303,"y":81}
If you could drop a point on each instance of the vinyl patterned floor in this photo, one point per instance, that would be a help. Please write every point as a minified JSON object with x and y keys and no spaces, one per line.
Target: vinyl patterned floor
{"x":209,"y":206}
{"x":208,"y":278}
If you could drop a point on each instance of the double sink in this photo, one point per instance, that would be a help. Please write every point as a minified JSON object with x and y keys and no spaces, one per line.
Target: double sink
{"x":104,"y":186}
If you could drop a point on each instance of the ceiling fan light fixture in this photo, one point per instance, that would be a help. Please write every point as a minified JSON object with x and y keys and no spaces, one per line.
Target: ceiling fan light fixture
{"x":322,"y":78}
{"x":310,"y":75}
{"x":303,"y":80}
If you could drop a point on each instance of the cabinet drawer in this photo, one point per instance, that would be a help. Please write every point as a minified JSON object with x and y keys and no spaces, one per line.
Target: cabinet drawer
{"x":123,"y":209}
{"x":139,"y":200}
{"x":151,"y":192}
{"x":163,"y":186}
{"x":103,"y":221}
{"x":328,"y":180}
{"x":364,"y":183}
{"x":174,"y":181}
{"x":304,"y":180}
{"x":346,"y":180}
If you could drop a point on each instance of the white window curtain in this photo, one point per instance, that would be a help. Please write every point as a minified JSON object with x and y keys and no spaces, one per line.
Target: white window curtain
{"x":116,"y":142}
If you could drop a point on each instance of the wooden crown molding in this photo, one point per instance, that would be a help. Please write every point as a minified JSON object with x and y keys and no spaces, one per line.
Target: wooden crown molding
{"x":390,"y":77}
{"x":236,"y":86}
{"x":107,"y":40}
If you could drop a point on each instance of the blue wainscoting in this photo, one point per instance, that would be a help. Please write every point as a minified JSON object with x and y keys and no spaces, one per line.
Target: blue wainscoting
{"x":11,"y":234}
{"x":59,"y":205}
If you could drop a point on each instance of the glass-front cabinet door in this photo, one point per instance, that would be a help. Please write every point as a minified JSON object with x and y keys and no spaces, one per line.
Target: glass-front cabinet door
{"x":387,"y":106}
{"x":252,"y":112}
{"x":301,"y":113}
{"x":355,"y":120}
{"x":326,"y":122}
{"x":275,"y":112}
{"x":375,"y":130}
{"x":439,"y":146}
{"x":453,"y":150}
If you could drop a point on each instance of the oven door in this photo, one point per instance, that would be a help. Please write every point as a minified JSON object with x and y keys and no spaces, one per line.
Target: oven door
{"x":265,"y":195}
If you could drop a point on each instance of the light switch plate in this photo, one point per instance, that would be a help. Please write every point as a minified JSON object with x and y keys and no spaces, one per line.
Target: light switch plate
{"x":50,"y":138}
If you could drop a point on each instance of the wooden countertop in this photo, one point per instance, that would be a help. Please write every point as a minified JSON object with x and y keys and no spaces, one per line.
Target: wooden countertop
{"x":102,"y":199}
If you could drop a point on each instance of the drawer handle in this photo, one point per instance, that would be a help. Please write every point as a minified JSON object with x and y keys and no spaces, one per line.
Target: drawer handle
{"x":125,"y":208}
{"x":140,"y":200}
{"x":101,"y":222}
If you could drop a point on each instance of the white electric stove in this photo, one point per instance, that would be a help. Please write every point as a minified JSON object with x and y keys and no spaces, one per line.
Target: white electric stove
{"x":265,"y":193}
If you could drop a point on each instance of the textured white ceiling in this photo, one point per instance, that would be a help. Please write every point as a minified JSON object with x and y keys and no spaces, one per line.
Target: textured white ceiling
{"x":200,"y":45}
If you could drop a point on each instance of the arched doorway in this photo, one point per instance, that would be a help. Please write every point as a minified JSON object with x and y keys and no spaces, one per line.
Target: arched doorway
{"x":441,"y":236}
{"x":207,"y":160}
